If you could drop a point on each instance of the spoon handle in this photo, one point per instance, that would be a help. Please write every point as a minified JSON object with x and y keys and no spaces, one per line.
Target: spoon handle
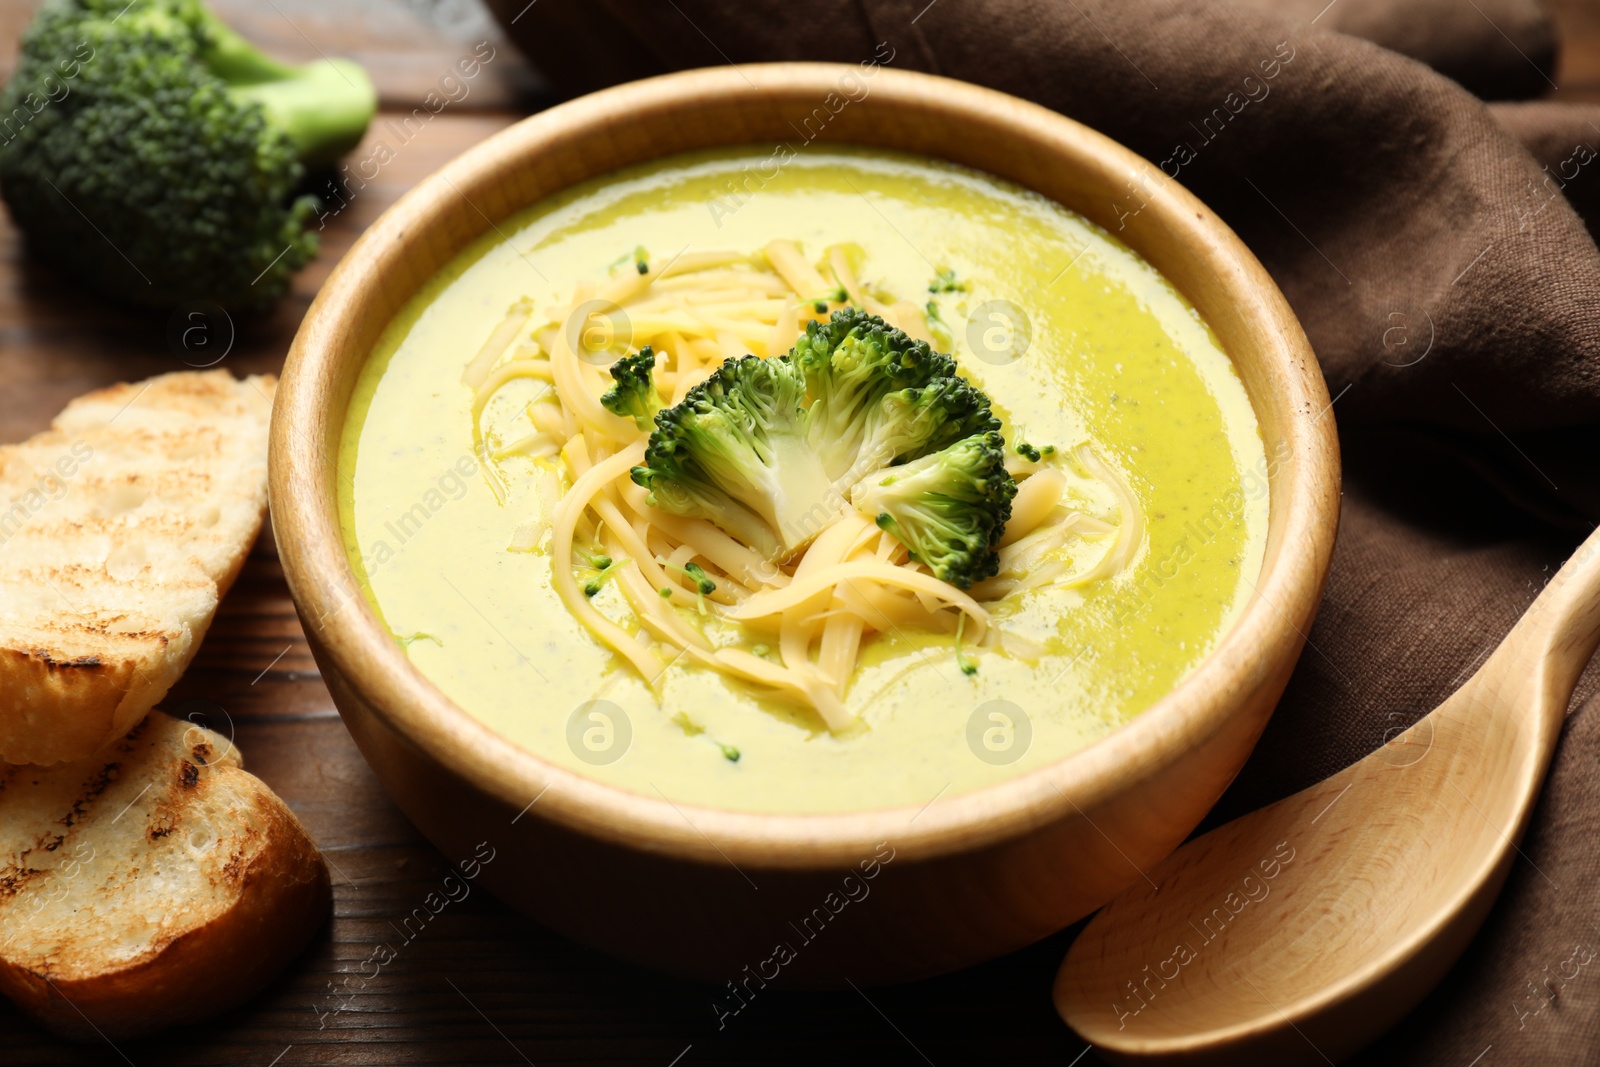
{"x":1558,"y":634}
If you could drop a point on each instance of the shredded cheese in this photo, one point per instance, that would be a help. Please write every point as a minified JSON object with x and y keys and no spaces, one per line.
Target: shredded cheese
{"x":851,"y":582}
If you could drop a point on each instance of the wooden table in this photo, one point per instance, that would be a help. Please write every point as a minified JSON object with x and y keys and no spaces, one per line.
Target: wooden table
{"x":481,"y":984}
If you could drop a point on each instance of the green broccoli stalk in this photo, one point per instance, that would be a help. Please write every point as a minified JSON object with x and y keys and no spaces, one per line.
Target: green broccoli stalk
{"x":165,"y":172}
{"x":634,"y":396}
{"x":323,"y":106}
{"x":734,"y":451}
{"x":948,"y":508}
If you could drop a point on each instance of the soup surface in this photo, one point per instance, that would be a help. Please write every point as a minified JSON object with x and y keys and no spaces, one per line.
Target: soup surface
{"x":1074,"y":337}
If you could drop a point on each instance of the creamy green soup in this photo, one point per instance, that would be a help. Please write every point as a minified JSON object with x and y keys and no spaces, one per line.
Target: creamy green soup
{"x":1073,"y":336}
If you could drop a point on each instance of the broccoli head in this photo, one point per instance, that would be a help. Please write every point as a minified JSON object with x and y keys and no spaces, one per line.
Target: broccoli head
{"x":734,"y":451}
{"x":149,"y":151}
{"x":948,"y":508}
{"x":634,"y":396}
{"x":768,"y":449}
{"x":851,"y":364}
{"x":909,"y":423}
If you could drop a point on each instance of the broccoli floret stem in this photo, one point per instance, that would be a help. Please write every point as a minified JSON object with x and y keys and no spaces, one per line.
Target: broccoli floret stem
{"x":804,"y":499}
{"x":702,"y":580}
{"x":696,"y":574}
{"x":968,"y":665}
{"x":234,"y":59}
{"x":734,"y":451}
{"x":793,"y":496}
{"x":324,"y":106}
{"x":606,"y":567}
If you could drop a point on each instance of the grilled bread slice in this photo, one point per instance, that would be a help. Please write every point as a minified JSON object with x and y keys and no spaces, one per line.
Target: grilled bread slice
{"x":155,"y":883}
{"x":120,"y":527}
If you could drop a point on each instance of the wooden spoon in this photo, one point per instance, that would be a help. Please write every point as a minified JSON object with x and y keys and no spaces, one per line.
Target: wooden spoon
{"x":1302,"y":931}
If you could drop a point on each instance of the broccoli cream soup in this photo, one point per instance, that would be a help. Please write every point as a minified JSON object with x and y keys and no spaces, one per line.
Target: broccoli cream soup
{"x":849,"y":484}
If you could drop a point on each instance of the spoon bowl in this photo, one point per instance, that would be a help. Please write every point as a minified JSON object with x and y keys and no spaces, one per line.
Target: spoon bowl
{"x":1302,"y":931}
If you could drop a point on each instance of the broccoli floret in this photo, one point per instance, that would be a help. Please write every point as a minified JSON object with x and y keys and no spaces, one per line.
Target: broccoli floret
{"x":703,"y":583}
{"x":852,"y":363}
{"x":968,"y":665}
{"x":947,"y":282}
{"x":948,"y":508}
{"x":767,"y":448}
{"x":634,"y":396}
{"x":880,"y":397}
{"x":734,"y":451}
{"x":701,"y":580}
{"x":939,"y":328}
{"x":604,"y":566}
{"x":165,"y":171}
{"x":910,"y":423}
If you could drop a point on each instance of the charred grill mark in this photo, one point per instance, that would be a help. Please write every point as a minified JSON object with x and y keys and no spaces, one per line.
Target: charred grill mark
{"x":81,"y":663}
{"x":15,"y":880}
{"x":188,"y":774}
{"x":91,"y":792}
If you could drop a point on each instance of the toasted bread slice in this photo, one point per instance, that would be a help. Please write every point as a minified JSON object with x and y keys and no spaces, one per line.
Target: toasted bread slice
{"x":120,"y":527}
{"x":153,"y":884}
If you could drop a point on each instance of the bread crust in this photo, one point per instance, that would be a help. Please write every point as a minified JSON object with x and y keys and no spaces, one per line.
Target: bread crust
{"x":266,"y":893}
{"x":120,"y":529}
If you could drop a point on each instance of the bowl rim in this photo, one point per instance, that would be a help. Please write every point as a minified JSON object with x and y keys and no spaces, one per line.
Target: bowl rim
{"x":357,"y":646}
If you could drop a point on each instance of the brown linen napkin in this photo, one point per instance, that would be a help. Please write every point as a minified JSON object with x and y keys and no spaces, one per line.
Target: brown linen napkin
{"x":1380,"y":195}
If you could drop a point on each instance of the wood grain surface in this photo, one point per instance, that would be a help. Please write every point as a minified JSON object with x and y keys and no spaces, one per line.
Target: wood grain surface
{"x":405,"y":45}
{"x":478,"y":984}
